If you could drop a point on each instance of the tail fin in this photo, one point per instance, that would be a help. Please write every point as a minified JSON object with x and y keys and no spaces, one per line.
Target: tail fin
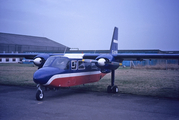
{"x":114,"y":42}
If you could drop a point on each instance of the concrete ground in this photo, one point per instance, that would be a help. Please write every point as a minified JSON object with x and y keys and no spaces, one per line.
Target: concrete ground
{"x":19,"y":103}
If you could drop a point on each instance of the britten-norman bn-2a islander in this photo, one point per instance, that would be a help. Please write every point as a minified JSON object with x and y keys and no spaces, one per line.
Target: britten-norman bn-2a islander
{"x":65,"y":70}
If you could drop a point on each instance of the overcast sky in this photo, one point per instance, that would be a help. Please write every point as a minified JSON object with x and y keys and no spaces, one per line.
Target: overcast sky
{"x":89,"y":24}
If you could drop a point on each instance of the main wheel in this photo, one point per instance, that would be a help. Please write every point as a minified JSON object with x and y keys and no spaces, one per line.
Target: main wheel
{"x":109,"y":90}
{"x":39,"y":95}
{"x":115,"y":89}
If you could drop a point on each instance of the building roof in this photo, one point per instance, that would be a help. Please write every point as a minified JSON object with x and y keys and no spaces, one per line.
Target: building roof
{"x":7,"y":38}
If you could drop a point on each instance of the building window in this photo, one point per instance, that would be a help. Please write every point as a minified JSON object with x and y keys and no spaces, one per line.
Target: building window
{"x":13,"y":59}
{"x":7,"y":59}
{"x":21,"y":59}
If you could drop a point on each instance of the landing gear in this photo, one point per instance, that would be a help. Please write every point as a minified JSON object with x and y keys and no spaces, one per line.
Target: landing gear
{"x":39,"y":94}
{"x":112,"y":88}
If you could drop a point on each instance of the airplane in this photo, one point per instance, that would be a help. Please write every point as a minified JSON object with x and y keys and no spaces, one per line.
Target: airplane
{"x":65,"y":70}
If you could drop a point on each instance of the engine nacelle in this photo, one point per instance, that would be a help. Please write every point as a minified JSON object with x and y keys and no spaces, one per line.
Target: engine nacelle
{"x":106,"y":63}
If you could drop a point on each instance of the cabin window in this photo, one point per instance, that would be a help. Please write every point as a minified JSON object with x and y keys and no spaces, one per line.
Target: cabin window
{"x":81,"y":65}
{"x":73,"y":64}
{"x":93,"y":66}
{"x":61,"y":63}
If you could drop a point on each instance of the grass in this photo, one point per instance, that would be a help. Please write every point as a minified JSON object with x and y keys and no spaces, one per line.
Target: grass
{"x":150,"y":82}
{"x":17,"y":74}
{"x":159,"y":66}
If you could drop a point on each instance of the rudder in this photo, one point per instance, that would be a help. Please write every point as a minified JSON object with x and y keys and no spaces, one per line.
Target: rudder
{"x":114,"y":42}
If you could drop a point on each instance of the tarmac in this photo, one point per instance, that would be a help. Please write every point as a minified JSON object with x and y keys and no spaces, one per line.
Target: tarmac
{"x":19,"y":103}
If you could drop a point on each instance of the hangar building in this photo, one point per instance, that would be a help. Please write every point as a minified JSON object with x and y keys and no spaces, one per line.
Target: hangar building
{"x":14,"y":43}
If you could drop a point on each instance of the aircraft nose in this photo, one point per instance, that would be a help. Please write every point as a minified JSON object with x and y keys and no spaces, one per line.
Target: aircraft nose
{"x":42,"y":75}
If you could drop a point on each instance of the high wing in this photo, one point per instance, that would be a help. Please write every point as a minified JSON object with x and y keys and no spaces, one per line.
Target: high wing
{"x":138,"y":57}
{"x":24,"y":55}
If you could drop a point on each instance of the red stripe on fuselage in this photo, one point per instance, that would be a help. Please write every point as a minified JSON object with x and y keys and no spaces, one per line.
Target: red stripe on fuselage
{"x":77,"y":80}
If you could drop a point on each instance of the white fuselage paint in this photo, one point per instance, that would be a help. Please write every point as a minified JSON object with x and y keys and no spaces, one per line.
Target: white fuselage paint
{"x":76,"y":56}
{"x":115,"y":41}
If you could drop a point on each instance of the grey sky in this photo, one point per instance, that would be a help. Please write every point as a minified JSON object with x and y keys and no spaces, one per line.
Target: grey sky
{"x":89,"y":24}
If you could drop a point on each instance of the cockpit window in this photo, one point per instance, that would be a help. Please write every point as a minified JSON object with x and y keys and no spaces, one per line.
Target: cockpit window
{"x":49,"y":61}
{"x":58,"y":62}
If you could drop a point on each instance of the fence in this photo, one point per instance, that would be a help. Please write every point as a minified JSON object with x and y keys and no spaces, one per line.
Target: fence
{"x":154,"y":64}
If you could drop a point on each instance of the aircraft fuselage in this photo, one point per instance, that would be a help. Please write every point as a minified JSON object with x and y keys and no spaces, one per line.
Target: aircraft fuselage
{"x":62,"y":71}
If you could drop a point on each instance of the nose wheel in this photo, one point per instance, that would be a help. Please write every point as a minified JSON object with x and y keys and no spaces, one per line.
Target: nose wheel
{"x":39,"y":94}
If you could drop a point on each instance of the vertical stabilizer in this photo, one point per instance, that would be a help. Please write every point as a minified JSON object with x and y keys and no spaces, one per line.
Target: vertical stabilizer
{"x":114,"y":42}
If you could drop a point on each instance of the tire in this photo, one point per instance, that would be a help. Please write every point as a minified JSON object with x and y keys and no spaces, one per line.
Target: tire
{"x":109,"y":90}
{"x":115,"y":89}
{"x":39,"y":95}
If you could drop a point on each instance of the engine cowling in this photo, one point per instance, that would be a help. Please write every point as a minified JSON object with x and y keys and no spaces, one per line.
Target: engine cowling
{"x":37,"y":61}
{"x":106,"y":63}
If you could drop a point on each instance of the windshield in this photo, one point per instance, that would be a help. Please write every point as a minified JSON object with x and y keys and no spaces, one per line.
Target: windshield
{"x":58,"y":62}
